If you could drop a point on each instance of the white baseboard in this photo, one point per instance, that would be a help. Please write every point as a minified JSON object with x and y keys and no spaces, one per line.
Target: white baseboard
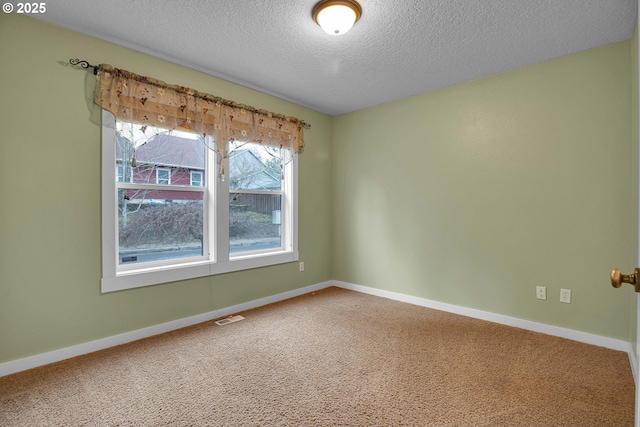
{"x":30,"y":362}
{"x":634,"y":363}
{"x":611,"y":343}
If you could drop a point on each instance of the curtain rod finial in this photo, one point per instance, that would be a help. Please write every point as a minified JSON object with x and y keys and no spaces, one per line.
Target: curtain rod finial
{"x":83,"y":64}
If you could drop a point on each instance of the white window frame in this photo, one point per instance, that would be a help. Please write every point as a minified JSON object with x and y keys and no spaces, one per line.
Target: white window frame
{"x":216,"y":258}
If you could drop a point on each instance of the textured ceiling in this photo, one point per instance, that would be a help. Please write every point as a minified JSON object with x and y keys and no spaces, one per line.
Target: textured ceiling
{"x":398,"y":48}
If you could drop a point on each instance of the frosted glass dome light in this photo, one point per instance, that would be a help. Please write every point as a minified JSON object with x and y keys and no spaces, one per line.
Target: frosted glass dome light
{"x":336,"y":17}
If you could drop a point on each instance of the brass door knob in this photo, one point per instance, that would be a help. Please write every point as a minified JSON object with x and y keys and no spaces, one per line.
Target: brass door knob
{"x":617,"y":279}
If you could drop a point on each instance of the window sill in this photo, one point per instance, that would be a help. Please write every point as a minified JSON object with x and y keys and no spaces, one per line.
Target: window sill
{"x":147,"y":277}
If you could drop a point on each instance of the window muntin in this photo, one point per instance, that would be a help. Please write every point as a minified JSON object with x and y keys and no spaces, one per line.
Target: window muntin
{"x":216,"y":254}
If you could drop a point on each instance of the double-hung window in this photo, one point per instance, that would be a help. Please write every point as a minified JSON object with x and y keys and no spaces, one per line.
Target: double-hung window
{"x":192,"y":185}
{"x":169,"y":213}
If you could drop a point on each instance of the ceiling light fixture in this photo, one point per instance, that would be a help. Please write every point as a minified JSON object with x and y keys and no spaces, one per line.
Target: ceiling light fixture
{"x":336,"y":17}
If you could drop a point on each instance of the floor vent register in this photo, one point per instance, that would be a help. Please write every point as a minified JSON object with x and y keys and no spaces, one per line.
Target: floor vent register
{"x":230,"y":319}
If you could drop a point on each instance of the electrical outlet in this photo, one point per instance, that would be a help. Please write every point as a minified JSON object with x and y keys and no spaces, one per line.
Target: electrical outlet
{"x":302,"y":266}
{"x":565,"y":296}
{"x":541,"y":292}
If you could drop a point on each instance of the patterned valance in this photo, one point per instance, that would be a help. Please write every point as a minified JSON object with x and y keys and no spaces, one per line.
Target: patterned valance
{"x":149,"y":102}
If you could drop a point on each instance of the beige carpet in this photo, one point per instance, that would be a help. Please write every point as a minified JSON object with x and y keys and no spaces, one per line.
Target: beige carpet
{"x":331,"y":358}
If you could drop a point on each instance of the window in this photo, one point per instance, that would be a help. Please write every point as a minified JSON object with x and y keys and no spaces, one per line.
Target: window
{"x":122,"y":177}
{"x":158,"y":224}
{"x":158,"y":221}
{"x":196,"y":178}
{"x":255,"y":195}
{"x":174,"y":216}
{"x":163,"y":176}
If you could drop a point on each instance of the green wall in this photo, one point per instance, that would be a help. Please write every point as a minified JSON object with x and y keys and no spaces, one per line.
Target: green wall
{"x":475,"y":194}
{"x":50,"y":258}
{"x":471,"y":195}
